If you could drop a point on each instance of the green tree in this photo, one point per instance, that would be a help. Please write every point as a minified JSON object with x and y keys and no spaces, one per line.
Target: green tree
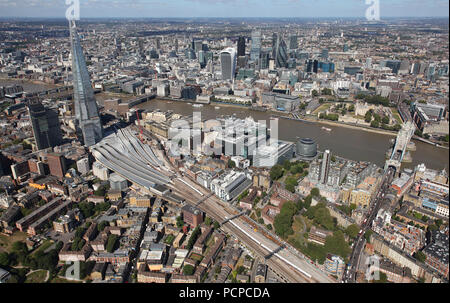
{"x":195,"y":234}
{"x":368,"y":234}
{"x":375,"y":124}
{"x":101,"y":226}
{"x":111,"y":245}
{"x":385,"y":120}
{"x":420,"y":256}
{"x":314,"y":93}
{"x":208,"y":221}
{"x":368,"y":117}
{"x":188,"y":270}
{"x":4,"y":259}
{"x":216,"y":225}
{"x":352,"y":230}
{"x":276,"y":172}
{"x":315,"y":192}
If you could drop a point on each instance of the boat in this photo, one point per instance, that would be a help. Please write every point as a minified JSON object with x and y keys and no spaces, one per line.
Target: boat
{"x":326,"y":128}
{"x":217,"y":107}
{"x":197,"y":105}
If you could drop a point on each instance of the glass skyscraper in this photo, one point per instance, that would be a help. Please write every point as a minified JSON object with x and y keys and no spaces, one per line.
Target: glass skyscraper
{"x":281,"y":55}
{"x":46,"y":126}
{"x":228,"y":63}
{"x":88,"y":123}
{"x":255,"y":51}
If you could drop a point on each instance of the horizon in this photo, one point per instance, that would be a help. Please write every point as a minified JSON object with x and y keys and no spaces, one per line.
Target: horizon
{"x":236,"y":9}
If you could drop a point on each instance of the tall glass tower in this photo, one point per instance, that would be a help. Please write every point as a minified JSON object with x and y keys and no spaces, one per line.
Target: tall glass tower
{"x":281,"y":55}
{"x":228,"y":63}
{"x":255,"y":51}
{"x":88,"y":123}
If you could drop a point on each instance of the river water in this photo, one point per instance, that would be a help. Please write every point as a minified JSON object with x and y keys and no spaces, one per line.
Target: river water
{"x":345,"y":142}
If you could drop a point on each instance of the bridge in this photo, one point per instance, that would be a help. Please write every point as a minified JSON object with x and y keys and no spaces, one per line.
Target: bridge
{"x":233,"y":217}
{"x":401,"y":142}
{"x":204,"y":199}
{"x":268,"y":256}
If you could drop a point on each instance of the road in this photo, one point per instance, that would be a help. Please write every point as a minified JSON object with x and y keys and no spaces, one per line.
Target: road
{"x":351,"y":269}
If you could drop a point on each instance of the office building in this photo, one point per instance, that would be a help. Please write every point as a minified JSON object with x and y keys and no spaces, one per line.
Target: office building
{"x":241,"y":47}
{"x":255,"y":50}
{"x":88,"y":123}
{"x":293,"y":44}
{"x":46,"y":127}
{"x":281,"y":55}
{"x":228,"y":63}
{"x":306,"y":148}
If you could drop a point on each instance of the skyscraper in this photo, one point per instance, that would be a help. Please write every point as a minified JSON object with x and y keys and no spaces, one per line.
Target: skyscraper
{"x":325,"y":167}
{"x":255,"y":51}
{"x":46,"y":127}
{"x":274,"y":44}
{"x":228,"y":63}
{"x":293,"y":44}
{"x":281,"y":55}
{"x":241,"y":47}
{"x":88,"y":123}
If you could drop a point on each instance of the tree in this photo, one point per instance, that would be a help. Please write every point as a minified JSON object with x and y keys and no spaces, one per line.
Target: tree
{"x":180,"y":222}
{"x":216,"y":225}
{"x":188,"y":270}
{"x":195,"y":234}
{"x":385,"y":120}
{"x":352,"y":230}
{"x":351,"y":108}
{"x":420,"y":256}
{"x":101,"y":226}
{"x":368,"y":234}
{"x":231,"y":164}
{"x":208,"y":221}
{"x":111,"y":245}
{"x":375,"y":124}
{"x":4,"y":259}
{"x":315,"y":192}
{"x":276,"y":172}
{"x":291,"y":183}
{"x":283,"y":221}
{"x":368,"y":117}
{"x":314,"y":93}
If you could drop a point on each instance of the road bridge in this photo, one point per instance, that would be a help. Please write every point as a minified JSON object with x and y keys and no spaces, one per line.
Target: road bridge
{"x":401,"y":142}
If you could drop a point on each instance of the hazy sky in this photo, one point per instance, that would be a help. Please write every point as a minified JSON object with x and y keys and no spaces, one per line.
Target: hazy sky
{"x":224,"y":8}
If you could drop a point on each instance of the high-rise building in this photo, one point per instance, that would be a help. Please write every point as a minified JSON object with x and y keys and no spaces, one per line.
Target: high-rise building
{"x":88,"y":123}
{"x":241,"y":47}
{"x":46,"y":127}
{"x":281,"y":55}
{"x":324,"y":53}
{"x":325,"y":167}
{"x":176,"y":45}
{"x":274,"y":44}
{"x":255,"y":51}
{"x":202,"y":58}
{"x":293,"y":44}
{"x":228,"y":63}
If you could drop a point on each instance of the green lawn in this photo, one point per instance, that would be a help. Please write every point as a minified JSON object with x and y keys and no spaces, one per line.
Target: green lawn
{"x":196,"y":257}
{"x":396,"y":115}
{"x":62,"y":280}
{"x":6,"y":242}
{"x":37,"y":277}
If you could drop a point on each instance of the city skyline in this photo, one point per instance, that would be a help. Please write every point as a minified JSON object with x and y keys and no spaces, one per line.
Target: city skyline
{"x":223,"y":9}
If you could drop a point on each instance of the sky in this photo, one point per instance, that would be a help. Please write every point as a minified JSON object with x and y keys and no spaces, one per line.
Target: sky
{"x":224,"y":8}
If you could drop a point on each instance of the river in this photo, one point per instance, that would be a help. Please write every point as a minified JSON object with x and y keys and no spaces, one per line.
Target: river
{"x":345,"y":142}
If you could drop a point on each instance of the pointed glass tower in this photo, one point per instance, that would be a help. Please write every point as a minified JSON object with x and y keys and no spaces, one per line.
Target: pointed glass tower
{"x":88,"y":123}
